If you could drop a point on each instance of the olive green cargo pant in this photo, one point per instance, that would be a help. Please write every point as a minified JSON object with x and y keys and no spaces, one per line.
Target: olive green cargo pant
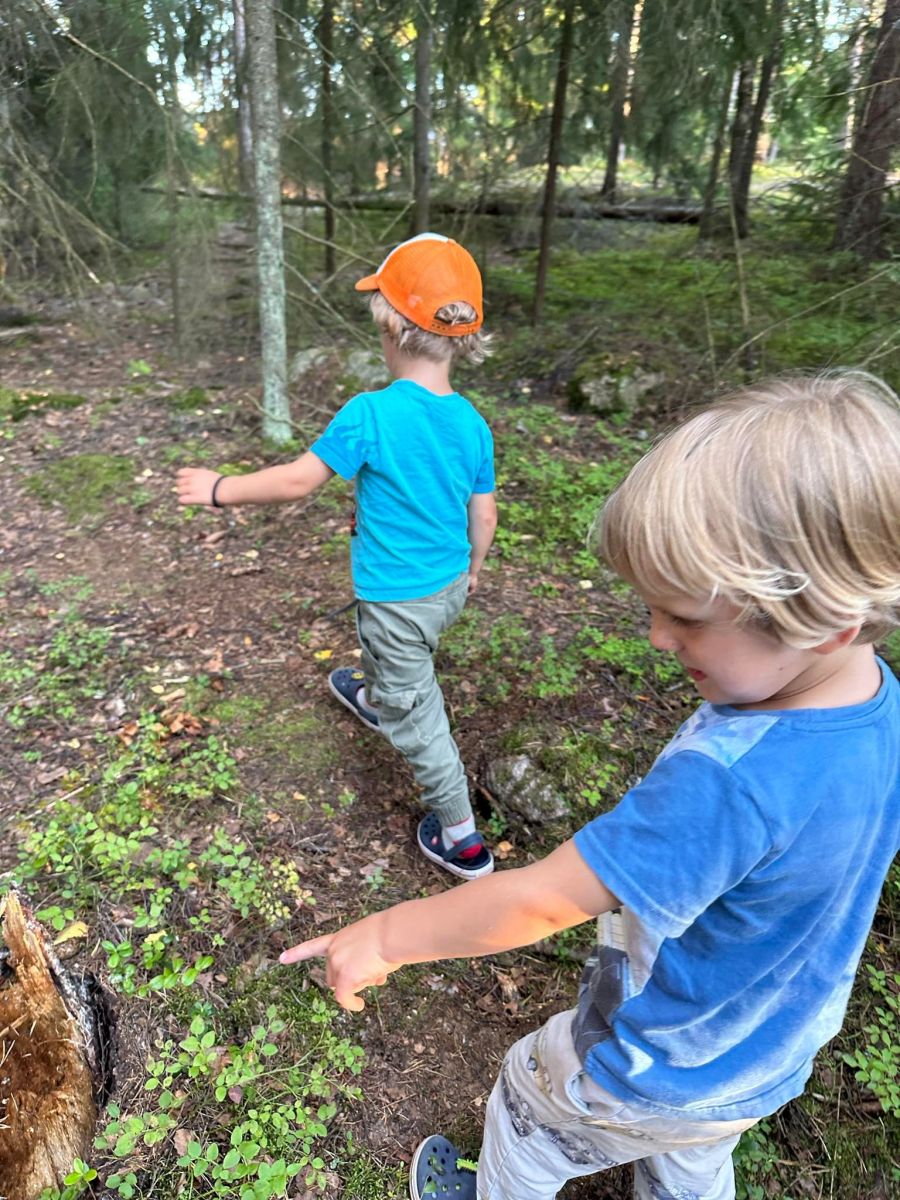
{"x":398,"y":641}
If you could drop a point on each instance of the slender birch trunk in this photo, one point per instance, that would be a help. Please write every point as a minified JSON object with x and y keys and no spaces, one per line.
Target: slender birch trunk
{"x":422,"y":121}
{"x":269,"y":235}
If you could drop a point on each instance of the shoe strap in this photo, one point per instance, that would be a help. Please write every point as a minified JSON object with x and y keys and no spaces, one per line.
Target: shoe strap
{"x":466,"y":843}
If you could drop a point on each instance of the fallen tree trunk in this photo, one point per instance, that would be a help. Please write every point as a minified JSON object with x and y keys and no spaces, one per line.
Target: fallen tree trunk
{"x":48,"y":1070}
{"x":585,"y":209}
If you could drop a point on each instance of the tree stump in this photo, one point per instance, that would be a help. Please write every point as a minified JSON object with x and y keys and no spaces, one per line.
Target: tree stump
{"x":48,"y":1108}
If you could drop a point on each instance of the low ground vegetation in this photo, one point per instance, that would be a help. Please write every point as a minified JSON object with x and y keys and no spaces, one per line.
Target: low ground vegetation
{"x":184,"y":800}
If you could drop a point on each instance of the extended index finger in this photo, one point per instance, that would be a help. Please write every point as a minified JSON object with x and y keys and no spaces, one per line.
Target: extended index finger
{"x":314,"y":948}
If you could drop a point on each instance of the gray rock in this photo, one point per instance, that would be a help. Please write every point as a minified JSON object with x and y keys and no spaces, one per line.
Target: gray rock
{"x":521,"y":787}
{"x":612,"y":392}
{"x":365,"y":371}
{"x":305,"y":361}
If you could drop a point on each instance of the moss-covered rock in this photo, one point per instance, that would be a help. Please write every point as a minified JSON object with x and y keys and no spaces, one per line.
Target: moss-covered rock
{"x":609,"y":387}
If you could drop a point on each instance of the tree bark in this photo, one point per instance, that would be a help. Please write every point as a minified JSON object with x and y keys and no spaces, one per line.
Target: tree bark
{"x":860,"y":222}
{"x":708,"y":223}
{"x":740,"y":129}
{"x":173,"y":205}
{"x":556,"y":124}
{"x":326,"y":45}
{"x":422,"y":121}
{"x":269,"y":234}
{"x":767,"y":72}
{"x":244,"y":120}
{"x":47,"y":1111}
{"x":619,"y":91}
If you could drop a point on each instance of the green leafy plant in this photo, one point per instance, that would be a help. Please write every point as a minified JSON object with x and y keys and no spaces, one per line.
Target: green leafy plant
{"x":876,"y":1064}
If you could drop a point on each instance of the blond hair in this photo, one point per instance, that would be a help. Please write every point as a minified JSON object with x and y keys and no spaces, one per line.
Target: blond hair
{"x":419,"y":343}
{"x":783,"y":498}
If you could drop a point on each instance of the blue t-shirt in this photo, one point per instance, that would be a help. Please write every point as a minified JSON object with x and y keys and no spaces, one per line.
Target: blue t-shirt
{"x":749,"y":863}
{"x":417,"y":458}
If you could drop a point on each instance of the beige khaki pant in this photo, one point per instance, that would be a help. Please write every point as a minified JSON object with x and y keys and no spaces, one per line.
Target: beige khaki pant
{"x":548,"y":1122}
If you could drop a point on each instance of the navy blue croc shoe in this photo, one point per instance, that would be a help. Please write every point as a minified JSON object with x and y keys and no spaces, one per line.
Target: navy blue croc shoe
{"x":435,"y":1171}
{"x":470,"y":866}
{"x":344,"y":684}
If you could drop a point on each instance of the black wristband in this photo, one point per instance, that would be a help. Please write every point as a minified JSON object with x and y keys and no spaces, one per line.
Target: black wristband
{"x":217,"y":503}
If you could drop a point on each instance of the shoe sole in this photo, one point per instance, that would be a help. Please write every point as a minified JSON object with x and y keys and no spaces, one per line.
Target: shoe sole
{"x":348,"y":704}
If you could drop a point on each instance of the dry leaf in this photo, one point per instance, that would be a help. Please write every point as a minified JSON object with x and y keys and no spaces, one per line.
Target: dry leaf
{"x":77,"y":929}
{"x":216,"y":663}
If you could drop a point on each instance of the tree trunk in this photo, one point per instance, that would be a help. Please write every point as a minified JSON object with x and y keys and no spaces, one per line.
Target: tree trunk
{"x":860,"y":222}
{"x":326,"y":45}
{"x":619,"y":96}
{"x":422,"y":120}
{"x":767,"y":73}
{"x":269,"y":236}
{"x":244,"y":129}
{"x":740,"y":130}
{"x":708,"y":222}
{"x":556,"y":124}
{"x":173,"y":204}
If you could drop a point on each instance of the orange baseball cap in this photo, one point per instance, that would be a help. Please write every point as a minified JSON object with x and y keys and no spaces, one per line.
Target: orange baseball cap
{"x":420,"y":276}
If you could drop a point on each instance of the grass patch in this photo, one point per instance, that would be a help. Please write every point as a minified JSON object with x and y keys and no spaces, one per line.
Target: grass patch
{"x":808,"y":311}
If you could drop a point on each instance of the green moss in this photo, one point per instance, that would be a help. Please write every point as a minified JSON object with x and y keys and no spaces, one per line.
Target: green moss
{"x":84,"y":484}
{"x":367,"y":1180}
{"x":14,"y":406}
{"x":807,"y":311}
{"x":188,"y":400}
{"x":302,"y":744}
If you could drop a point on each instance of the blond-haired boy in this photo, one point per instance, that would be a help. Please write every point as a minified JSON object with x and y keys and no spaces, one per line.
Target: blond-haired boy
{"x":736,"y":883}
{"x":422,"y":458}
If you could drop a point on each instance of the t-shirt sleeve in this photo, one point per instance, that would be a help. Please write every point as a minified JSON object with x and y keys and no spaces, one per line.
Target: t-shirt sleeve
{"x":484,"y":480}
{"x":681,"y":839}
{"x":346,"y":443}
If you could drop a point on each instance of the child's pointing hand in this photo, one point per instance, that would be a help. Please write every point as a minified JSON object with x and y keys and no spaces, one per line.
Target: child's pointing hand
{"x":351,"y":961}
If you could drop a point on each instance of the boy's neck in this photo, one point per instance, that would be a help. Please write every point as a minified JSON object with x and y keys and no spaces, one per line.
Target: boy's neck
{"x":847,"y":677}
{"x":434,"y":377}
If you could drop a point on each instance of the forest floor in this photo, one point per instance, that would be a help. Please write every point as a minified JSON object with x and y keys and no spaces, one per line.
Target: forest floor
{"x":183,"y":799}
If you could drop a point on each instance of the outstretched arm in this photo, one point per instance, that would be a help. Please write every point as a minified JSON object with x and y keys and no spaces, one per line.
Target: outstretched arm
{"x":499,"y":912}
{"x":482,"y":526}
{"x":272,"y":485}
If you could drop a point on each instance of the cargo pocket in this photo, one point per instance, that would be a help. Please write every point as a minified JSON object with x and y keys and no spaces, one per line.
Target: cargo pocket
{"x":591,"y":1101}
{"x":400,"y":715}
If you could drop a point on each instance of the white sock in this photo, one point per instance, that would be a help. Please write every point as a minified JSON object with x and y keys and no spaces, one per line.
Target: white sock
{"x":452,"y":834}
{"x":365,"y":704}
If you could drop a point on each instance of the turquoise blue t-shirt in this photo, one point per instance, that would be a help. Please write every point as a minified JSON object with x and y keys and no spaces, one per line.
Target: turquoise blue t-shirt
{"x":749,"y":863}
{"x":417,"y":459}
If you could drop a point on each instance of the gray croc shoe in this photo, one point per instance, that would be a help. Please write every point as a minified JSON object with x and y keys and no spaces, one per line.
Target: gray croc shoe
{"x":344,"y":684}
{"x":435,"y":1172}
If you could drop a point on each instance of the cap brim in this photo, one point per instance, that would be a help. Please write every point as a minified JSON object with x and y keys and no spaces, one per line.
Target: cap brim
{"x":369,"y":284}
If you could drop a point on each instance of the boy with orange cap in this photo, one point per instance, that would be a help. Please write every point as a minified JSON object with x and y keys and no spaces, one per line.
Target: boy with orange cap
{"x":422,"y":458}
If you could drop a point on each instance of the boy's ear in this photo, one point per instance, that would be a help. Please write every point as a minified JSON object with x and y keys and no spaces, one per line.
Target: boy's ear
{"x":839,"y":640}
